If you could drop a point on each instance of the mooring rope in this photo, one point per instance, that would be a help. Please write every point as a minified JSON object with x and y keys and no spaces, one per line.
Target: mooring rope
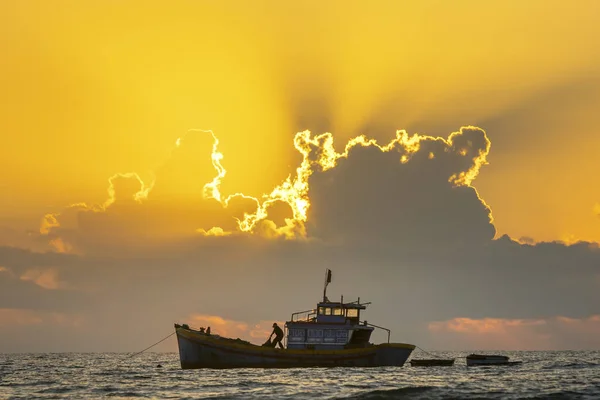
{"x":147,"y":348}
{"x":426,"y":352}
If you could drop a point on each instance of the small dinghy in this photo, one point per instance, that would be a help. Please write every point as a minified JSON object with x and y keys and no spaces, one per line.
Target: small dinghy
{"x":482,"y":359}
{"x":433,"y":362}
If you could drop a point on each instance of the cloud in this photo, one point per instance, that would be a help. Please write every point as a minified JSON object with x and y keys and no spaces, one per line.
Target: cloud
{"x":426,"y":201}
{"x":45,"y":278}
{"x":244,"y":280}
{"x":20,"y":317}
{"x":556,"y":333}
{"x":130,"y":212}
{"x":9,"y":317}
{"x":138,"y":214}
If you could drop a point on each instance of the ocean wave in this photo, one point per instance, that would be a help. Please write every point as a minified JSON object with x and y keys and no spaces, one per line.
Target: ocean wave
{"x":126,"y":394}
{"x":572,"y":365}
{"x":414,"y":392}
{"x":29,"y":383}
{"x":548,"y":375}
{"x":565,"y":395}
{"x":60,"y":389}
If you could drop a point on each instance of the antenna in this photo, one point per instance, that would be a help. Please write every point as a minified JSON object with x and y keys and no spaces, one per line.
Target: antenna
{"x":327,"y":281}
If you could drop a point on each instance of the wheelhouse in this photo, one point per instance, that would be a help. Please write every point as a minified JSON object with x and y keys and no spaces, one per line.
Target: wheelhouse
{"x":331,"y":325}
{"x":339,"y":312}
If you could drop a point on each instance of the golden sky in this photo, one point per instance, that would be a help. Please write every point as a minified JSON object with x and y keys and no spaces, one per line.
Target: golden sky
{"x":95,"y":88}
{"x":135,"y":132}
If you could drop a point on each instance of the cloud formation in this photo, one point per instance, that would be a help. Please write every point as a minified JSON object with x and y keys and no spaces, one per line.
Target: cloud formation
{"x":132,"y":211}
{"x":420,"y":195}
{"x":400,"y":223}
{"x":556,"y":333}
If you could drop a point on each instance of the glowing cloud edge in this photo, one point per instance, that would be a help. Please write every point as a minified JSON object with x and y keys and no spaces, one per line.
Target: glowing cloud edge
{"x":294,"y":190}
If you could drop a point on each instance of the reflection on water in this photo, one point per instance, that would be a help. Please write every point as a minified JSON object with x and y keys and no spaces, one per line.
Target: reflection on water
{"x":543,"y":374}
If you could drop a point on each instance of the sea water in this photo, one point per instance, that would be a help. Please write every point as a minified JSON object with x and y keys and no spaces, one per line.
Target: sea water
{"x":543,"y":375}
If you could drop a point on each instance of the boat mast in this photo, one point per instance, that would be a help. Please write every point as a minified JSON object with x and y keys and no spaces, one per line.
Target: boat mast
{"x":327,"y":281}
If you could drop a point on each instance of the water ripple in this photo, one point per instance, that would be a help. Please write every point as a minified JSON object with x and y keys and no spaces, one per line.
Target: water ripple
{"x":543,"y":375}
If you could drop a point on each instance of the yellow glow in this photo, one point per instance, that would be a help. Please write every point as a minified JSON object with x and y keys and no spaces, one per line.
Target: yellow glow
{"x":97,"y":87}
{"x":211,"y":190}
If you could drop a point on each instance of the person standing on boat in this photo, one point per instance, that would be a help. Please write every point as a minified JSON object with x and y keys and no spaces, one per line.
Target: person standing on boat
{"x":278,"y":332}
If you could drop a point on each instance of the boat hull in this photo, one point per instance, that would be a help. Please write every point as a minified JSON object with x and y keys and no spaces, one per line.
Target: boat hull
{"x":198,"y":350}
{"x":474,"y":360}
{"x":491,"y":363}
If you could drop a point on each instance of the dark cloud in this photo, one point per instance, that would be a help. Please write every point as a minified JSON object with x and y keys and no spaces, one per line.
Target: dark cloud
{"x":256,"y":279}
{"x":372,"y":197}
{"x":23,"y":237}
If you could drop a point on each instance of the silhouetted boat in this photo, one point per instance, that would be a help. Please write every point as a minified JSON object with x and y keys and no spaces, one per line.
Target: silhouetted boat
{"x":482,"y":359}
{"x":433,"y":362}
{"x":331,"y":335}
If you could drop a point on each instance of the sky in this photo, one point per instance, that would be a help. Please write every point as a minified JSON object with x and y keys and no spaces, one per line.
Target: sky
{"x":205,"y":162}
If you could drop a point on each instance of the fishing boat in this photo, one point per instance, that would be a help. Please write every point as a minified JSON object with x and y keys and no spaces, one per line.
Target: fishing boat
{"x":331,"y":335}
{"x":482,"y":359}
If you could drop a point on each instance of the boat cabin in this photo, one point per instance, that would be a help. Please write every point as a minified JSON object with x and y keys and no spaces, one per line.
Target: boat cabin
{"x":332,"y":325}
{"x":329,"y":326}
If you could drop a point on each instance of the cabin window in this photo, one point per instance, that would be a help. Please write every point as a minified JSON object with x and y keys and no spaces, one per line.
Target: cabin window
{"x":338,"y":311}
{"x":342,"y":336}
{"x":296,"y":335}
{"x":329,"y":335}
{"x":352,"y":313}
{"x":314,"y":335}
{"x":327,"y":311}
{"x":321,"y":310}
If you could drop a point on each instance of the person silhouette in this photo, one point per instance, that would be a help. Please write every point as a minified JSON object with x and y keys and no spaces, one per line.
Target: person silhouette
{"x":278,"y":332}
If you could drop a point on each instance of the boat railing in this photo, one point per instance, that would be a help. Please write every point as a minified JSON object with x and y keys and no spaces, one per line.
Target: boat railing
{"x":304,"y":316}
{"x":379,"y":327}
